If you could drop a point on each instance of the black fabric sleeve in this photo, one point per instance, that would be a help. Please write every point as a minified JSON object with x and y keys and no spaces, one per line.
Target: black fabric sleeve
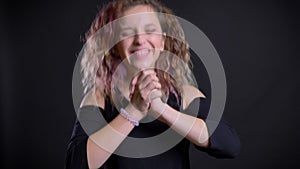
{"x":224,"y":140}
{"x":76,"y":156}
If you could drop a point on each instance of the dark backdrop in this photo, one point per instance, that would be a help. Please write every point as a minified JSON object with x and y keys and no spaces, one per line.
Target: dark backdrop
{"x":258,"y":42}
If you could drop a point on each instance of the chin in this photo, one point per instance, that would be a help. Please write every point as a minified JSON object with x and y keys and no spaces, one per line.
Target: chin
{"x":144,"y":63}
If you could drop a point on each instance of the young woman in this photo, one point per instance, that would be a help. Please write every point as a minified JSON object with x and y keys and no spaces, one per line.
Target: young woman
{"x":125,"y":86}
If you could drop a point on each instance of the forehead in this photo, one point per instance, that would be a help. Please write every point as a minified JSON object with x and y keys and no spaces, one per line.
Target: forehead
{"x":138,"y":15}
{"x":138,"y":9}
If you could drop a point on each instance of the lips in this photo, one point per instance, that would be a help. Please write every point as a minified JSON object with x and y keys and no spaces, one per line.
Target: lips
{"x":141,"y":53}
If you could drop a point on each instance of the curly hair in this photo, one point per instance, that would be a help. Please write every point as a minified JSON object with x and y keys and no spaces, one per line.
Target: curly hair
{"x":97,"y":62}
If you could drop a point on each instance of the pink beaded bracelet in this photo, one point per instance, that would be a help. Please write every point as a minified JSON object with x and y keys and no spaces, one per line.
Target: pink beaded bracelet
{"x":127,"y":116}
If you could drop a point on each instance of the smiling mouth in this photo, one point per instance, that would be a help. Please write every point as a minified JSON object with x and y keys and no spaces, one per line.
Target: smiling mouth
{"x":140,"y":54}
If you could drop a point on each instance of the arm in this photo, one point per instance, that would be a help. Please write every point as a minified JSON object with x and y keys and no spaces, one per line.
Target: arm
{"x":194,"y":129}
{"x":224,"y":140}
{"x":91,"y":142}
{"x":223,"y":143}
{"x":100,"y":148}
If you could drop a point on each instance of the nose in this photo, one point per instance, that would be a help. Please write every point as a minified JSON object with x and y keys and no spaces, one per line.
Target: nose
{"x":139,"y":39}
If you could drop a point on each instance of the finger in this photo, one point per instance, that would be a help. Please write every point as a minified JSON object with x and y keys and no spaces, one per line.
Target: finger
{"x":143,"y":74}
{"x":138,"y":77}
{"x":149,"y":95}
{"x":155,"y":93}
{"x":151,"y":86}
{"x":132,"y":85}
{"x":148,"y":79}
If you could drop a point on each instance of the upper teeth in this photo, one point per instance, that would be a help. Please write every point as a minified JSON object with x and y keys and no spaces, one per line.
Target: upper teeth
{"x":142,"y":52}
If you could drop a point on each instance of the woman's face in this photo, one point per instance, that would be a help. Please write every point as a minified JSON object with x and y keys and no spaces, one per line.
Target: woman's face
{"x":141,"y":36}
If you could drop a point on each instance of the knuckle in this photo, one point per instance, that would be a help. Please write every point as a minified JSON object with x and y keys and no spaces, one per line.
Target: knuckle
{"x":148,"y":87}
{"x":144,"y":97}
{"x":140,"y":88}
{"x":152,"y":85}
{"x":143,"y":73}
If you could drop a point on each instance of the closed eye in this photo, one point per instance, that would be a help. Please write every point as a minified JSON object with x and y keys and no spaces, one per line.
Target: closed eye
{"x":149,"y":31}
{"x":151,"y":28}
{"x":127,"y":32}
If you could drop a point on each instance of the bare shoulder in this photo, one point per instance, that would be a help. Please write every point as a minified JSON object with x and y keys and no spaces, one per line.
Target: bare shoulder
{"x":91,"y":99}
{"x":189,"y":94}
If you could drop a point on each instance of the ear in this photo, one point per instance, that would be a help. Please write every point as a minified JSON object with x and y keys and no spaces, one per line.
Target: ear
{"x":163,"y":41}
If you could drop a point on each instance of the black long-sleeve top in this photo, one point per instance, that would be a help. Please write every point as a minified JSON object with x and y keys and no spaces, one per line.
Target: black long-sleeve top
{"x":224,"y":141}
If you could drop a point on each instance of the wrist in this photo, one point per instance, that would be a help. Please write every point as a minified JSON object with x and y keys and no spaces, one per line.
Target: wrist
{"x":157,"y":107}
{"x":170,"y":117}
{"x":135,"y":113}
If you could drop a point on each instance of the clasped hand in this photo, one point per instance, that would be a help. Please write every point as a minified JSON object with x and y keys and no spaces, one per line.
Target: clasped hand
{"x":145,"y":93}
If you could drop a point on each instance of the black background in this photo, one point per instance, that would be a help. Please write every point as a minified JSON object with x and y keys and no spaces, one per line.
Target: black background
{"x":258,"y":42}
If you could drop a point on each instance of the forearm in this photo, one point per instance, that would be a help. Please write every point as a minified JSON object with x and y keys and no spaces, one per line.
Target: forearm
{"x":192,"y":128}
{"x":104,"y":142}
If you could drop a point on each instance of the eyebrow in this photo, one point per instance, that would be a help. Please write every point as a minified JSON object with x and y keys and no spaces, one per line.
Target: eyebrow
{"x":126,"y":28}
{"x":150,"y":24}
{"x":147,"y":25}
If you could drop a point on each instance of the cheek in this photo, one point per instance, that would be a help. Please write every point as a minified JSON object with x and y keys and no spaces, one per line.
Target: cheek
{"x":156,"y":41}
{"x":122,"y":48}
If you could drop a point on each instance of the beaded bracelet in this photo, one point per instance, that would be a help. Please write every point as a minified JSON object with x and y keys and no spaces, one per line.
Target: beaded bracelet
{"x":127,"y":116}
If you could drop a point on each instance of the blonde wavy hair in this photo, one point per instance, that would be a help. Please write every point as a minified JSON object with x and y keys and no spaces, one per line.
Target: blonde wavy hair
{"x":97,"y":62}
